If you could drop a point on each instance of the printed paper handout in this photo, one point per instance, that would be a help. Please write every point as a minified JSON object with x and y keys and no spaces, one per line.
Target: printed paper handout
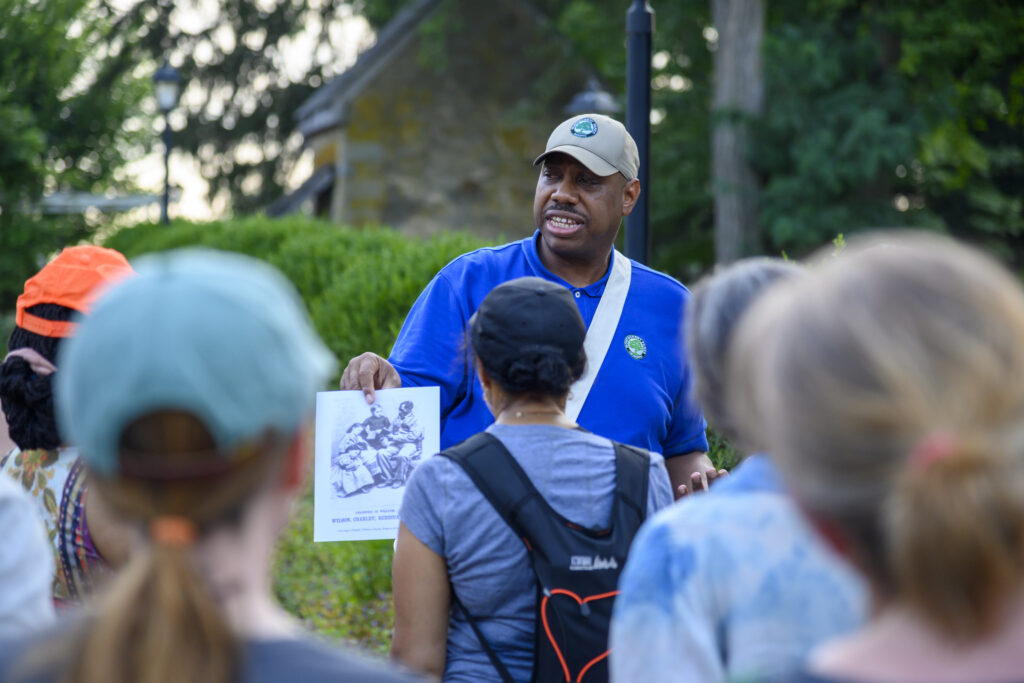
{"x":364,"y":456}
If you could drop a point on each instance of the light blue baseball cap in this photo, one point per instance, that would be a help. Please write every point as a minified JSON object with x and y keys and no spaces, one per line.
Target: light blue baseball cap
{"x":221,"y":336}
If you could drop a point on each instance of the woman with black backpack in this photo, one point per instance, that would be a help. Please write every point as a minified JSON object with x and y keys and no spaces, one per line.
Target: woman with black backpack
{"x":511,"y":542}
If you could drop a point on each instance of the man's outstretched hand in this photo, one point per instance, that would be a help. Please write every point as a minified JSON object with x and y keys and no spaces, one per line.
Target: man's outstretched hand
{"x":699,"y":482}
{"x":369,"y":372}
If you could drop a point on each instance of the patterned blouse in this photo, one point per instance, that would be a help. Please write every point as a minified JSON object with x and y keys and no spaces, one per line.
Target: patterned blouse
{"x":54,"y":479}
{"x":729,"y":585}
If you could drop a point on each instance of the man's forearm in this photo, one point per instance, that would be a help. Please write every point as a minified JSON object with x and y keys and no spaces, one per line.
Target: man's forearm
{"x":681,"y":467}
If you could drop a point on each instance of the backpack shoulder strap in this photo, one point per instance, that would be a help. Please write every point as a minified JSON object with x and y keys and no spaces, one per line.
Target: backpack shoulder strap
{"x":496,"y":474}
{"x":632,"y":475}
{"x":496,"y":662}
{"x":503,"y":482}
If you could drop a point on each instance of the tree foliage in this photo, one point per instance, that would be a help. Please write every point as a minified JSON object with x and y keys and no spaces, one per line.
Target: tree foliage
{"x":876,"y":115}
{"x":247,"y":65}
{"x":75,"y":101}
{"x":64,"y":97}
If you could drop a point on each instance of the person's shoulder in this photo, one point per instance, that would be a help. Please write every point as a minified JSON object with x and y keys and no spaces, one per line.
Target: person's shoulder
{"x":657,"y":280}
{"x":484,"y":256}
{"x":707,"y":515}
{"x":10,"y":491}
{"x":9,"y":456}
{"x":437,"y":472}
{"x":435,"y":467}
{"x":311,"y":661}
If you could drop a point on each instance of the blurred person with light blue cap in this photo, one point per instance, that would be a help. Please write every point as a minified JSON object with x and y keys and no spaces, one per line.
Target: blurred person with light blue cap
{"x":187,"y":391}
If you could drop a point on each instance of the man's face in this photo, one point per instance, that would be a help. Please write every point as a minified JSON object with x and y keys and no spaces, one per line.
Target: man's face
{"x":577,"y":211}
{"x":376,"y":410}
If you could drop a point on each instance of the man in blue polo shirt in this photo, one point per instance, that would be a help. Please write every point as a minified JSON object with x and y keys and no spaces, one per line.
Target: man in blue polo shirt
{"x":636,"y":386}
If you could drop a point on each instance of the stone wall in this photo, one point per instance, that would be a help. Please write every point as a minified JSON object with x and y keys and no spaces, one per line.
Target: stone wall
{"x":445,"y":136}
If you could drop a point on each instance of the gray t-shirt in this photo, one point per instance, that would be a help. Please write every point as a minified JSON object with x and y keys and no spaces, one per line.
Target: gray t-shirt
{"x":487,"y":564}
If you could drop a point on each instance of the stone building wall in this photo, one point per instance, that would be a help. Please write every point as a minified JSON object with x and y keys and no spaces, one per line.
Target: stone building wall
{"x":444,"y":137}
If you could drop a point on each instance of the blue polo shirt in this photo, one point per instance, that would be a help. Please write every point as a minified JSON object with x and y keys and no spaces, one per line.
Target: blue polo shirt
{"x":642,"y":393}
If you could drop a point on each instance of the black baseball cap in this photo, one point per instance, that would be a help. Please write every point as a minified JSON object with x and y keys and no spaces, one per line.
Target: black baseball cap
{"x":526,"y":315}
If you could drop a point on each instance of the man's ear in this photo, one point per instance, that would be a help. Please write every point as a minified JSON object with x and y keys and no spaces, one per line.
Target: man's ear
{"x":630,"y":193}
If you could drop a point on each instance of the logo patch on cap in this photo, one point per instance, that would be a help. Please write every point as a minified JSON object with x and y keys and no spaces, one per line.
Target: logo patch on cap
{"x":635,"y":346}
{"x":584,"y":128}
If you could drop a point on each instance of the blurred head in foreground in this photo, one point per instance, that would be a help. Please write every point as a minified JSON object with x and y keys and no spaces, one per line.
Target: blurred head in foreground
{"x":186,"y":391}
{"x":889,"y":386}
{"x":716,"y":307}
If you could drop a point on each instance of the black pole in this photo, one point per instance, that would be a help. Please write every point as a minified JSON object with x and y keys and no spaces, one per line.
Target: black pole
{"x":166,"y":136}
{"x":639,"y":29}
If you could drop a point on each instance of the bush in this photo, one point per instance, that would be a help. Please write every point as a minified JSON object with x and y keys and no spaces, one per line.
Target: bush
{"x":357,"y":284}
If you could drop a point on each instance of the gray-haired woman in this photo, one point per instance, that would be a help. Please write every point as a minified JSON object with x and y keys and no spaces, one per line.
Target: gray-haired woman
{"x":728,"y":584}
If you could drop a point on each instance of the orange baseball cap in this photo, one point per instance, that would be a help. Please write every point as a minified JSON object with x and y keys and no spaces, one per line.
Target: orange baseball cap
{"x":74,"y":279}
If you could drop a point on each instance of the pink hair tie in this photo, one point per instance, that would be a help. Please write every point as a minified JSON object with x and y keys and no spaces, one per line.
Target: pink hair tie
{"x":35,"y":360}
{"x":935,"y":446}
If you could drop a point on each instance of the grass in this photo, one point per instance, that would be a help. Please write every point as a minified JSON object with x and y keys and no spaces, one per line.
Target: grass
{"x":339,"y":590}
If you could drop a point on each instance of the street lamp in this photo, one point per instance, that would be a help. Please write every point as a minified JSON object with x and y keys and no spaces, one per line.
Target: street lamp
{"x":166,"y":83}
{"x":639,"y":28}
{"x":593,"y":99}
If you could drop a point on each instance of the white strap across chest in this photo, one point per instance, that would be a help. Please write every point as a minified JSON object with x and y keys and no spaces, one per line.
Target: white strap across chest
{"x":601,"y":331}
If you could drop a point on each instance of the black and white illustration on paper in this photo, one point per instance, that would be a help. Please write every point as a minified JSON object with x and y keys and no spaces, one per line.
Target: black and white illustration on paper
{"x":365,"y":455}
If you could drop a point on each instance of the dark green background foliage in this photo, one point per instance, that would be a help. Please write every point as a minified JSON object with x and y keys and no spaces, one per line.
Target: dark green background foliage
{"x":871,"y":105}
{"x":876,"y":115}
{"x":62,"y":111}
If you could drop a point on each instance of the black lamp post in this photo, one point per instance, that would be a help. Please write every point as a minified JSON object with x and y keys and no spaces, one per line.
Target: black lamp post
{"x":166,"y":83}
{"x":639,"y":30}
{"x":593,"y":99}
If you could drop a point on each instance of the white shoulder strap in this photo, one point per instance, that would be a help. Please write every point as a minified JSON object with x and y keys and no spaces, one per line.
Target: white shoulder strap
{"x":602,"y":329}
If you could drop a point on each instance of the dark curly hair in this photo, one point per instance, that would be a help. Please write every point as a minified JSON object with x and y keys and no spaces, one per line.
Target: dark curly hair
{"x":27,"y":397}
{"x":539,"y":370}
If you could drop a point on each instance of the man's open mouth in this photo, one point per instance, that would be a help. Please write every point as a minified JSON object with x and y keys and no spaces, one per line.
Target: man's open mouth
{"x":562,"y":224}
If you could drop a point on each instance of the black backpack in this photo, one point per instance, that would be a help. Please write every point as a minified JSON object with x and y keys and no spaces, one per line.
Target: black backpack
{"x":577,"y":568}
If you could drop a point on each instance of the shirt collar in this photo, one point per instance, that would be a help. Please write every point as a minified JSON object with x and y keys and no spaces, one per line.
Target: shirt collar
{"x":533,"y":257}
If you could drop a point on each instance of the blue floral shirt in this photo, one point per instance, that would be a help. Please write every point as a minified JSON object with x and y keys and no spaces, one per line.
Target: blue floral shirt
{"x":729,"y":584}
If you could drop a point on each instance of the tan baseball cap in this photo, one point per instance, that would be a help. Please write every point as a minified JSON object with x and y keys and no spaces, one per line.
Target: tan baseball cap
{"x":600,"y":143}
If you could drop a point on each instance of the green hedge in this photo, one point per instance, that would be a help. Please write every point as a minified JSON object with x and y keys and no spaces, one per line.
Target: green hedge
{"x":357,"y":284}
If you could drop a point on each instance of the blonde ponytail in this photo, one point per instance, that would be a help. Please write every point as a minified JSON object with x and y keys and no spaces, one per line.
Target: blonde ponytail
{"x":956,"y":538}
{"x":157,"y":624}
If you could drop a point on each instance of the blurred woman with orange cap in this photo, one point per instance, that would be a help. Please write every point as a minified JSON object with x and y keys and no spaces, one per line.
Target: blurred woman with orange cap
{"x":85,"y":541}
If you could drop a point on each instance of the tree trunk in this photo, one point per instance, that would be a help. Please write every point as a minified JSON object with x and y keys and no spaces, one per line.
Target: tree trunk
{"x":738,"y":97}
